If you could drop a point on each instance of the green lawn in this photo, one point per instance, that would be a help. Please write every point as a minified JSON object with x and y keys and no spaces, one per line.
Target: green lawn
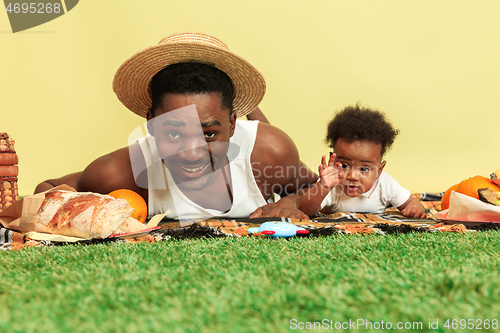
{"x":255,"y":285}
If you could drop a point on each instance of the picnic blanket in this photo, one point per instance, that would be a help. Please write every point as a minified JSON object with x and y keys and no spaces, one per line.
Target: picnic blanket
{"x":391,"y":221}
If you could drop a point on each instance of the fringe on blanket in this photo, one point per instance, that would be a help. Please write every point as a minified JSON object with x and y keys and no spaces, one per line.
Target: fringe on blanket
{"x":389,"y":222}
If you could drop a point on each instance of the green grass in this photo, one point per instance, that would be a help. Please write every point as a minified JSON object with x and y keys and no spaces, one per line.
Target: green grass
{"x":251,"y":285}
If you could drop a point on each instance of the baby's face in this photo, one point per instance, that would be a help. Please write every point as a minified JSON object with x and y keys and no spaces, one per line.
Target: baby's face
{"x":361,"y":165}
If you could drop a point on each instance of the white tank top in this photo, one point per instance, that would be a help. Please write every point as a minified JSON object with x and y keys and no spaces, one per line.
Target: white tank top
{"x":164,"y":194}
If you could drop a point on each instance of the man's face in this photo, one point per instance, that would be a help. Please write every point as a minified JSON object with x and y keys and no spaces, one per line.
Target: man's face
{"x":361,"y":165}
{"x":193,"y":141}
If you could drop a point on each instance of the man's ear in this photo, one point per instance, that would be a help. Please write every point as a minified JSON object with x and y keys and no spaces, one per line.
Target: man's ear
{"x":381,"y":168}
{"x":150,"y":117}
{"x":232,"y":123}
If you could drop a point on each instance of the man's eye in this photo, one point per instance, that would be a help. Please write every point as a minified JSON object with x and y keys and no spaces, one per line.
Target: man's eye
{"x":173,"y":134}
{"x":210,"y":135}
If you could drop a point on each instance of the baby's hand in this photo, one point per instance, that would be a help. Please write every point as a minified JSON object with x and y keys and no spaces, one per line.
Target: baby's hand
{"x":330,"y":174}
{"x":413,"y":208}
{"x":415,"y":212}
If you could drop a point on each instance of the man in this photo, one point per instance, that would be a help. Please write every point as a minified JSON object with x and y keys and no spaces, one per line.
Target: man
{"x":197,"y":160}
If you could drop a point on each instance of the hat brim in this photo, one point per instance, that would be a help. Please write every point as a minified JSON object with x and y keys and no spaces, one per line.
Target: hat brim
{"x":131,"y":83}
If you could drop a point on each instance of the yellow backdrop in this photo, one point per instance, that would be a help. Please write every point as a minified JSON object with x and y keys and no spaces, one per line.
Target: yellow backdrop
{"x":432,"y":66}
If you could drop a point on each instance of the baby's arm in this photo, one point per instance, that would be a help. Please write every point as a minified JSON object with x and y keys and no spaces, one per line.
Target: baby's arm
{"x":330,"y":176}
{"x":412,"y":208}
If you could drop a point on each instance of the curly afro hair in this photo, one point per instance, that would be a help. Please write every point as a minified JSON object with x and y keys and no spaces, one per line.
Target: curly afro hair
{"x":355,"y":123}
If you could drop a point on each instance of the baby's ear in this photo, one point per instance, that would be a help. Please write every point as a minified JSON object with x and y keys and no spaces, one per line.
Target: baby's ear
{"x":381,"y":168}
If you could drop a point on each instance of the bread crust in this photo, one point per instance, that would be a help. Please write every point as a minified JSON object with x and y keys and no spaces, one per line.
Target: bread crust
{"x":81,"y":214}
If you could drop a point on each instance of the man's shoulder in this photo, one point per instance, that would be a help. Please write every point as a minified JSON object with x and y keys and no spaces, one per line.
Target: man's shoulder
{"x":275,"y":153}
{"x":109,"y":172}
{"x":271,"y":139}
{"x":245,"y":129}
{"x":263,"y":131}
{"x":266,"y":141}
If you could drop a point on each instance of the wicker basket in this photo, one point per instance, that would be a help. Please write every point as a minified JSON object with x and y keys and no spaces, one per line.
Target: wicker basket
{"x":8,"y":172}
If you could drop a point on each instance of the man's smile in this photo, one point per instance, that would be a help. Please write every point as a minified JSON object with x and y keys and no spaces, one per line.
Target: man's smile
{"x":194,"y":171}
{"x":189,"y":170}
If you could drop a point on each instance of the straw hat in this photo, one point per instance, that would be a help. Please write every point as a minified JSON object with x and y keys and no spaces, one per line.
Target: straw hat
{"x":132,"y":80}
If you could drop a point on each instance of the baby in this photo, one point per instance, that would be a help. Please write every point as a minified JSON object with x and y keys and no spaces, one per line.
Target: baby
{"x":354,"y":180}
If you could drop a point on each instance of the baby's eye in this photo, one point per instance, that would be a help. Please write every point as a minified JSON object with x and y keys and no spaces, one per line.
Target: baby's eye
{"x":345,"y":166}
{"x":365,"y":169}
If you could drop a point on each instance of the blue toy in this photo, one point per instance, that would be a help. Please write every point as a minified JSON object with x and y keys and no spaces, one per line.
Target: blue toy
{"x":278,"y":229}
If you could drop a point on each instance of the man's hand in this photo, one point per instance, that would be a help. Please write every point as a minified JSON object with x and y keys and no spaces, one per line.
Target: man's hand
{"x":330,"y":174}
{"x":285,"y":207}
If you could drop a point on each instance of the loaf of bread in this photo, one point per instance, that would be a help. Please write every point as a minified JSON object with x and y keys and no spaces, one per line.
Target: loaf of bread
{"x":130,"y":225}
{"x":81,"y":214}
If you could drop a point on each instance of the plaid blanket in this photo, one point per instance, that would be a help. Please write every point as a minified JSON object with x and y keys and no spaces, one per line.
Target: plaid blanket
{"x":391,"y":221}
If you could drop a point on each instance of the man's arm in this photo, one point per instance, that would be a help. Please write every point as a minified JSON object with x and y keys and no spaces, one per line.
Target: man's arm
{"x":70,"y":179}
{"x":257,"y":115}
{"x":107,"y":173}
{"x":111,"y":172}
{"x":310,"y":202}
{"x":278,"y":169}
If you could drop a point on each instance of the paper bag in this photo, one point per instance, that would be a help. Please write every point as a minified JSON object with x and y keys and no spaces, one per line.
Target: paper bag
{"x":21,"y":215}
{"x":466,"y":208}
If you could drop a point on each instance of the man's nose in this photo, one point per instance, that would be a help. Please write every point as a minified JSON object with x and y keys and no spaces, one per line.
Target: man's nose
{"x":194,"y":149}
